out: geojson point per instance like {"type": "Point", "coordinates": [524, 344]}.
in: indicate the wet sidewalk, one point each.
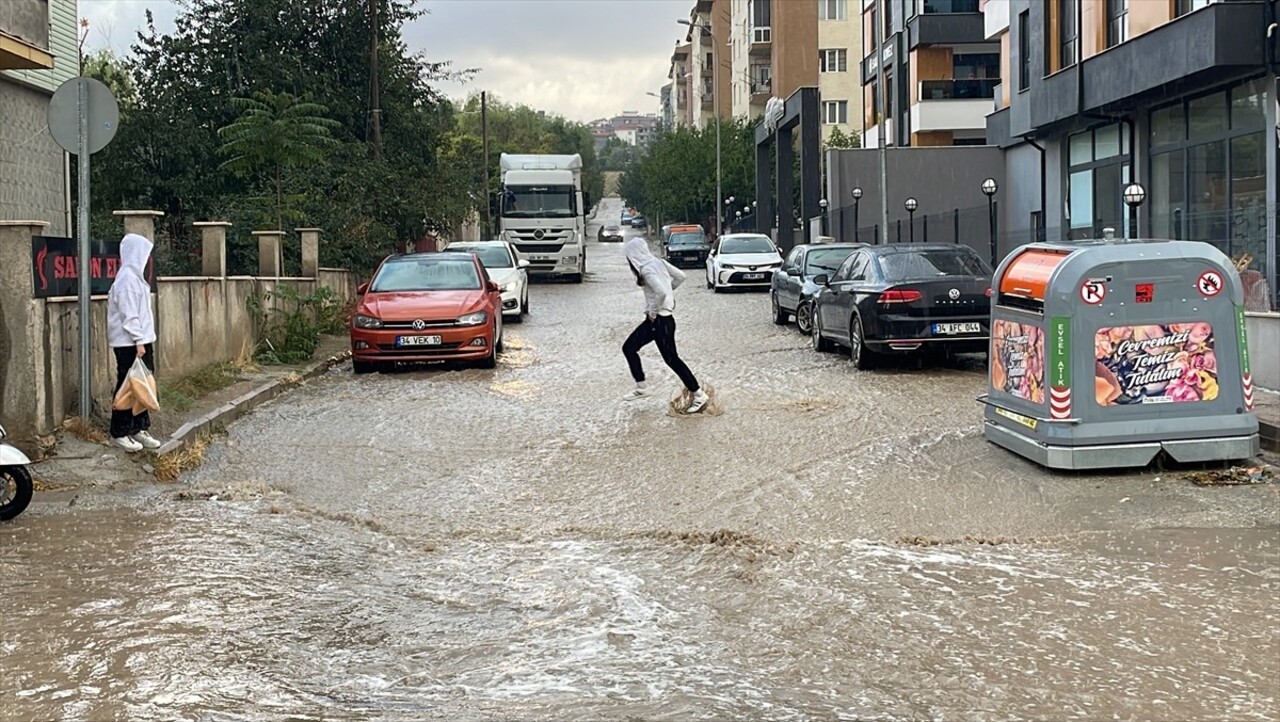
{"type": "Point", "coordinates": [82, 459]}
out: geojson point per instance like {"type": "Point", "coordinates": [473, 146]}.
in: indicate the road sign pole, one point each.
{"type": "Point", "coordinates": [85, 280]}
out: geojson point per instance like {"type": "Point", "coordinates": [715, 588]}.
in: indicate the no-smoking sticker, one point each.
{"type": "Point", "coordinates": [1093, 291]}
{"type": "Point", "coordinates": [1209, 284]}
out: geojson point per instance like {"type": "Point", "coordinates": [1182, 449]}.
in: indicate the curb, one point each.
{"type": "Point", "coordinates": [245, 403]}
{"type": "Point", "coordinates": [1270, 435]}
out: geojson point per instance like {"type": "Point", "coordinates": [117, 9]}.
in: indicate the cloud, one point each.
{"type": "Point", "coordinates": [583, 59]}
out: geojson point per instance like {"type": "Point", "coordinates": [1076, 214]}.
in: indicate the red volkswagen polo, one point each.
{"type": "Point", "coordinates": [427, 307]}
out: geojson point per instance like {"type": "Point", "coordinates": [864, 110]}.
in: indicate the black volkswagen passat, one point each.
{"type": "Point", "coordinates": [793, 289]}
{"type": "Point", "coordinates": [904, 298]}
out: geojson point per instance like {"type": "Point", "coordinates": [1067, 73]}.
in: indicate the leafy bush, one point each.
{"type": "Point", "coordinates": [291, 323]}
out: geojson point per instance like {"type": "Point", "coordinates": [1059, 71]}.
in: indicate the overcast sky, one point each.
{"type": "Point", "coordinates": [583, 59]}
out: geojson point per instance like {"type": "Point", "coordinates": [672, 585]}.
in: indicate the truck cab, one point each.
{"type": "Point", "coordinates": [542, 212]}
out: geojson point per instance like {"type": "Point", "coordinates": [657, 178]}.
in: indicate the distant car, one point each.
{"type": "Point", "coordinates": [610, 234]}
{"type": "Point", "coordinates": [793, 289]}
{"type": "Point", "coordinates": [904, 298]}
{"type": "Point", "coordinates": [639, 222]}
{"type": "Point", "coordinates": [686, 246]}
{"type": "Point", "coordinates": [427, 307]}
{"type": "Point", "coordinates": [666, 230]}
{"type": "Point", "coordinates": [506, 268]}
{"type": "Point", "coordinates": [626, 218]}
{"type": "Point", "coordinates": [742, 260]}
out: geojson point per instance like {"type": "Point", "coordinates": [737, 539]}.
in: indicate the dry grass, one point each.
{"type": "Point", "coordinates": [84, 429]}
{"type": "Point", "coordinates": [182, 394]}
{"type": "Point", "coordinates": [244, 362]}
{"type": "Point", "coordinates": [170, 466]}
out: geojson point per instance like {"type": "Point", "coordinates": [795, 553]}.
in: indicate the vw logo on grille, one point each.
{"type": "Point", "coordinates": [954, 294]}
{"type": "Point", "coordinates": [753, 268]}
{"type": "Point", "coordinates": [539, 234]}
{"type": "Point", "coordinates": [419, 324]}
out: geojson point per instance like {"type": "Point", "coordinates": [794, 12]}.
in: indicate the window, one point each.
{"type": "Point", "coordinates": [1099, 171]}
{"type": "Point", "coordinates": [1117, 22]}
{"type": "Point", "coordinates": [832, 9]}
{"type": "Point", "coordinates": [835, 112]}
{"type": "Point", "coordinates": [1024, 50]}
{"type": "Point", "coordinates": [760, 18]}
{"type": "Point", "coordinates": [1182, 7]}
{"type": "Point", "coordinates": [833, 61]}
{"type": "Point", "coordinates": [1068, 33]}
{"type": "Point", "coordinates": [971, 66]}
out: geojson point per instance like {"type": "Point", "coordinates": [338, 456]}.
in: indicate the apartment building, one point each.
{"type": "Point", "coordinates": [681, 77]}
{"type": "Point", "coordinates": [773, 48]}
{"type": "Point", "coordinates": [709, 47]}
{"type": "Point", "coordinates": [839, 52]}
{"type": "Point", "coordinates": [1177, 95]}
{"type": "Point", "coordinates": [37, 54]}
{"type": "Point", "coordinates": [940, 71]}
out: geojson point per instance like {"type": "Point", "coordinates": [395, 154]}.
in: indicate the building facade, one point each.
{"type": "Point", "coordinates": [839, 53]}
{"type": "Point", "coordinates": [1178, 96]}
{"type": "Point", "coordinates": [38, 52]}
{"type": "Point", "coordinates": [681, 77]}
{"type": "Point", "coordinates": [940, 72]}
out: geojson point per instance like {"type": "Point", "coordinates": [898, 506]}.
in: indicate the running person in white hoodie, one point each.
{"type": "Point", "coordinates": [659, 280]}
{"type": "Point", "coordinates": [131, 333]}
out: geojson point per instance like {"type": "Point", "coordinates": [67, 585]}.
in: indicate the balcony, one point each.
{"type": "Point", "coordinates": [958, 89]}
{"type": "Point", "coordinates": [761, 40]}
{"type": "Point", "coordinates": [18, 54]}
{"type": "Point", "coordinates": [947, 22]}
{"type": "Point", "coordinates": [708, 94]}
{"type": "Point", "coordinates": [949, 7]}
{"type": "Point", "coordinates": [956, 114]}
{"type": "Point", "coordinates": [761, 89]}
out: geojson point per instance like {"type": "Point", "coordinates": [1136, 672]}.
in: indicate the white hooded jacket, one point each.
{"type": "Point", "coordinates": [129, 318]}
{"type": "Point", "coordinates": [660, 278]}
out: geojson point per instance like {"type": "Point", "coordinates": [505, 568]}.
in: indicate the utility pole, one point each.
{"type": "Point", "coordinates": [484, 131]}
{"type": "Point", "coordinates": [880, 33]}
{"type": "Point", "coordinates": [375, 100]}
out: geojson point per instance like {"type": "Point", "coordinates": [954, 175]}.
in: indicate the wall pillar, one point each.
{"type": "Point", "coordinates": [213, 247]}
{"type": "Point", "coordinates": [270, 253]}
{"type": "Point", "coordinates": [142, 223]}
{"type": "Point", "coordinates": [310, 251]}
{"type": "Point", "coordinates": [22, 359]}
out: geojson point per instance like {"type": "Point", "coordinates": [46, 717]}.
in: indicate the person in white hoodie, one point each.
{"type": "Point", "coordinates": [659, 280]}
{"type": "Point", "coordinates": [131, 333]}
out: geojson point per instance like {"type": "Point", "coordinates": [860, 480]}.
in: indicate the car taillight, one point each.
{"type": "Point", "coordinates": [988, 293]}
{"type": "Point", "coordinates": [898, 295]}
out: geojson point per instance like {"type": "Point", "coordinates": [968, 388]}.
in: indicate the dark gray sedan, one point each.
{"type": "Point", "coordinates": [793, 288]}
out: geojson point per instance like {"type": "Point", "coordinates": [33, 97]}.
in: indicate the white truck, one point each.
{"type": "Point", "coordinates": [542, 212]}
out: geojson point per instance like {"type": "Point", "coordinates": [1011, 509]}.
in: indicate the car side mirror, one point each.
{"type": "Point", "coordinates": [524, 263]}
{"type": "Point", "coordinates": [794, 272]}
{"type": "Point", "coordinates": [362, 289]}
{"type": "Point", "coordinates": [822, 280]}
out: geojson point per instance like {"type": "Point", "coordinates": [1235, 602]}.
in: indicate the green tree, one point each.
{"type": "Point", "coordinates": [274, 134]}
{"type": "Point", "coordinates": [839, 140]}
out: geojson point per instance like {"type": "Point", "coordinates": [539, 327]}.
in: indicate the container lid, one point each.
{"type": "Point", "coordinates": [1027, 276]}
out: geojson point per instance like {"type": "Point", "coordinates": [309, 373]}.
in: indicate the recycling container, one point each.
{"type": "Point", "coordinates": [1105, 353]}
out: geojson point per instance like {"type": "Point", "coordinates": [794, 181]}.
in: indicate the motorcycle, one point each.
{"type": "Point", "coordinates": [16, 486]}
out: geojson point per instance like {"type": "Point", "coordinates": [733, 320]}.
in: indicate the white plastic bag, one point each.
{"type": "Point", "coordinates": [138, 392]}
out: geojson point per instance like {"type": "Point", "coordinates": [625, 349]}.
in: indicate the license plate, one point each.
{"type": "Point", "coordinates": [417, 340]}
{"type": "Point", "coordinates": [753, 276]}
{"type": "Point", "coordinates": [951, 329]}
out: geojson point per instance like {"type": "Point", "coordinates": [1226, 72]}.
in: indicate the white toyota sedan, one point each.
{"type": "Point", "coordinates": [742, 260]}
{"type": "Point", "coordinates": [505, 268]}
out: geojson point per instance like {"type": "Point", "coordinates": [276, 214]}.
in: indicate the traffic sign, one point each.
{"type": "Point", "coordinates": [1093, 291]}
{"type": "Point", "coordinates": [1209, 284]}
{"type": "Point", "coordinates": [101, 111]}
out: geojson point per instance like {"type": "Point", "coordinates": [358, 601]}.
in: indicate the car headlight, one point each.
{"type": "Point", "coordinates": [570, 259]}
{"type": "Point", "coordinates": [505, 287]}
{"type": "Point", "coordinates": [473, 319]}
{"type": "Point", "coordinates": [367, 321]}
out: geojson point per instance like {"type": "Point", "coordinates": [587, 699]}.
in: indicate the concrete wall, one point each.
{"type": "Point", "coordinates": [1264, 339]}
{"type": "Point", "coordinates": [60, 29]}
{"type": "Point", "coordinates": [32, 166]}
{"type": "Point", "coordinates": [27, 19]}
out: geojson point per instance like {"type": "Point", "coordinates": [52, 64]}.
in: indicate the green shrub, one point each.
{"type": "Point", "coordinates": [291, 327]}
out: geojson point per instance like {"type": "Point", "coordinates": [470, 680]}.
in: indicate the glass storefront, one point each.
{"type": "Point", "coordinates": [1098, 171]}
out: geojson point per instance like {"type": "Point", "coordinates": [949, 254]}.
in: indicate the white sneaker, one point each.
{"type": "Point", "coordinates": [699, 402]}
{"type": "Point", "coordinates": [636, 393]}
{"type": "Point", "coordinates": [147, 440]}
{"type": "Point", "coordinates": [126, 443]}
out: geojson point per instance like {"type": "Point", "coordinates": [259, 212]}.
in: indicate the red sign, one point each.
{"type": "Point", "coordinates": [1144, 292]}
{"type": "Point", "coordinates": [1209, 284]}
{"type": "Point", "coordinates": [1093, 291]}
{"type": "Point", "coordinates": [55, 266]}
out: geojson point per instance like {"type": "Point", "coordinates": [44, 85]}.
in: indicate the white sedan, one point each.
{"type": "Point", "coordinates": [505, 268]}
{"type": "Point", "coordinates": [742, 260]}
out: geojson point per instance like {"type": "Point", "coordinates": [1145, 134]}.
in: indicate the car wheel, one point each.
{"type": "Point", "coordinates": [780, 316]}
{"type": "Point", "coordinates": [710, 285]}
{"type": "Point", "coordinates": [499, 333]}
{"type": "Point", "coordinates": [524, 305]}
{"type": "Point", "coordinates": [820, 344]}
{"type": "Point", "coordinates": [363, 367]}
{"type": "Point", "coordinates": [804, 317]}
{"type": "Point", "coordinates": [863, 358]}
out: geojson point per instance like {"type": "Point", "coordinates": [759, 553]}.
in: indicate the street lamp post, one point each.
{"type": "Point", "coordinates": [823, 205]}
{"type": "Point", "coordinates": [1134, 195]}
{"type": "Point", "coordinates": [989, 189]}
{"type": "Point", "coordinates": [728, 206]}
{"type": "Point", "coordinates": [715, 101]}
{"type": "Point", "coordinates": [911, 205]}
{"type": "Point", "coordinates": [857, 196]}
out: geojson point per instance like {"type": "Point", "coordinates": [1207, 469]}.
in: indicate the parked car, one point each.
{"type": "Point", "coordinates": [626, 218]}
{"type": "Point", "coordinates": [666, 231]}
{"type": "Point", "coordinates": [686, 246]}
{"type": "Point", "coordinates": [903, 298]}
{"type": "Point", "coordinates": [639, 222]}
{"type": "Point", "coordinates": [507, 269]}
{"type": "Point", "coordinates": [793, 289]}
{"type": "Point", "coordinates": [610, 234]}
{"type": "Point", "coordinates": [427, 307]}
{"type": "Point", "coordinates": [742, 260]}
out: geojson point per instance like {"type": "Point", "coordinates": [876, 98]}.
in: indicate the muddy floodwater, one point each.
{"type": "Point", "coordinates": [521, 544]}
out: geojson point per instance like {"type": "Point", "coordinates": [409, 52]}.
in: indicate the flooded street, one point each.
{"type": "Point", "coordinates": [522, 544]}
